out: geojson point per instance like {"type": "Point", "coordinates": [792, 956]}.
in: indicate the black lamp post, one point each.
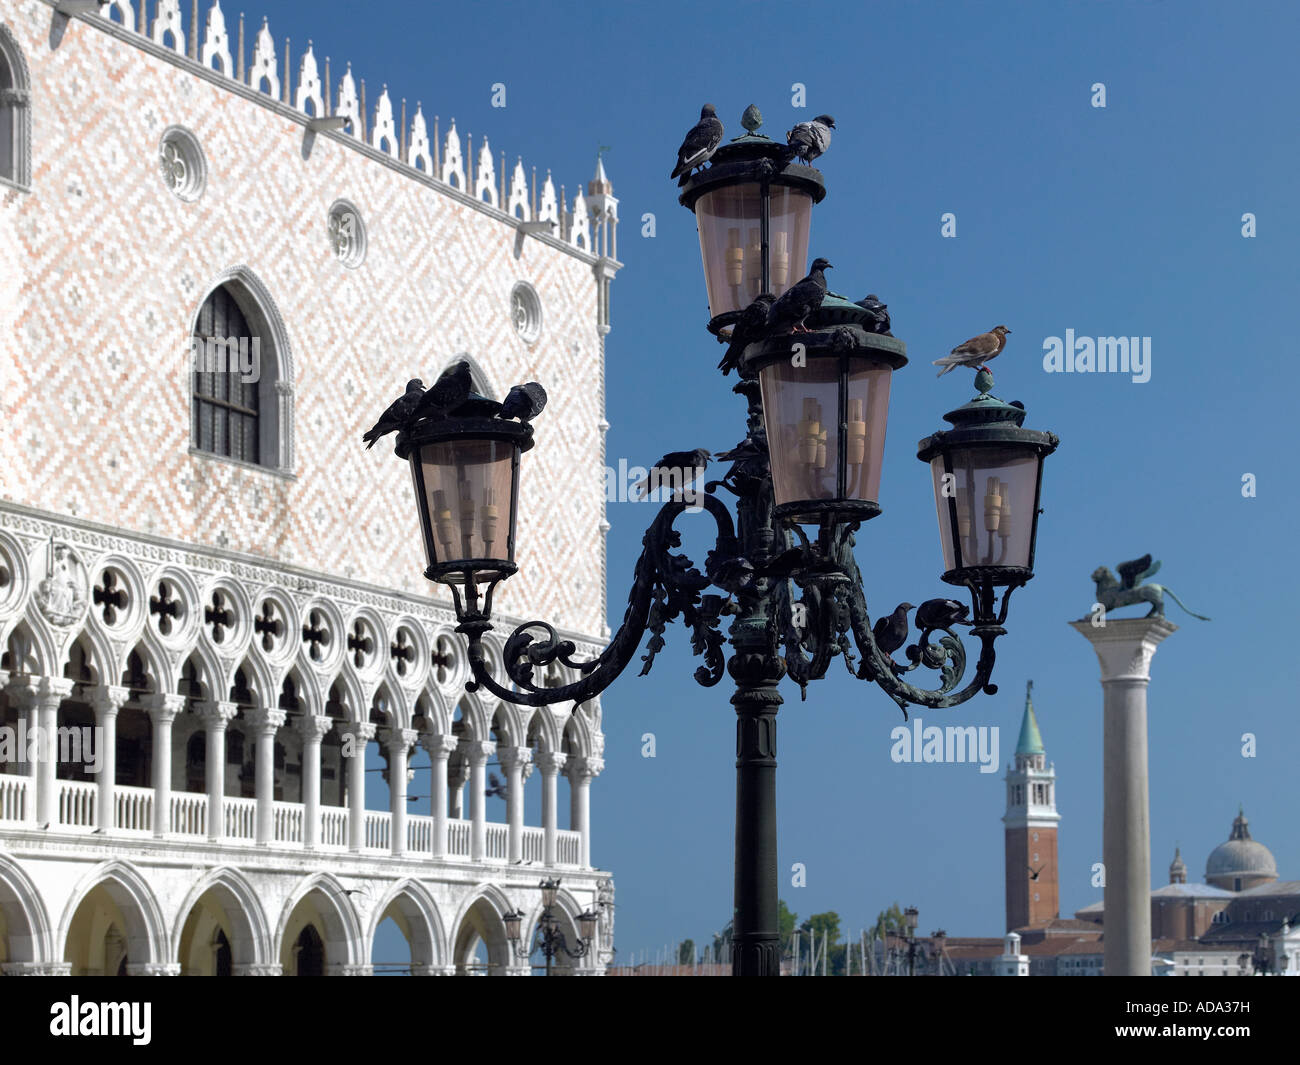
{"type": "Point", "coordinates": [548, 937]}
{"type": "Point", "coordinates": [805, 478]}
{"type": "Point", "coordinates": [1264, 960]}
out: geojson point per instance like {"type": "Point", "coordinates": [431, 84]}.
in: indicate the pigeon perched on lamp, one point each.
{"type": "Point", "coordinates": [890, 632]}
{"type": "Point", "coordinates": [808, 140]}
{"type": "Point", "coordinates": [879, 313]}
{"type": "Point", "coordinates": [941, 614]}
{"type": "Point", "coordinates": [700, 144]}
{"type": "Point", "coordinates": [524, 402]}
{"type": "Point", "coordinates": [749, 327]}
{"type": "Point", "coordinates": [677, 470]}
{"type": "Point", "coordinates": [398, 413]}
{"type": "Point", "coordinates": [976, 351]}
{"type": "Point", "coordinates": [451, 389]}
{"type": "Point", "coordinates": [799, 300]}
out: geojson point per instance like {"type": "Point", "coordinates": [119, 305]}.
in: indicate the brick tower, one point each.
{"type": "Point", "coordinates": [1033, 892]}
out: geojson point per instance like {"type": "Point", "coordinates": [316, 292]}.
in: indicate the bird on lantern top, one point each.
{"type": "Point", "coordinates": [976, 351]}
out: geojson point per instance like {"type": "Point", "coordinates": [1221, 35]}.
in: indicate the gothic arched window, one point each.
{"type": "Point", "coordinates": [15, 114]}
{"type": "Point", "coordinates": [241, 396]}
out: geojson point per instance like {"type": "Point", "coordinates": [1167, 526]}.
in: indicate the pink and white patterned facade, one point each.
{"type": "Point", "coordinates": [180, 601]}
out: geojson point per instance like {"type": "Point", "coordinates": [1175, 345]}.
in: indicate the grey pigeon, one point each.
{"type": "Point", "coordinates": [524, 402]}
{"type": "Point", "coordinates": [891, 632]}
{"type": "Point", "coordinates": [398, 413]}
{"type": "Point", "coordinates": [808, 140]}
{"type": "Point", "coordinates": [749, 327]}
{"type": "Point", "coordinates": [700, 144]}
{"type": "Point", "coordinates": [495, 788]}
{"type": "Point", "coordinates": [799, 300]}
{"type": "Point", "coordinates": [941, 614]}
{"type": "Point", "coordinates": [676, 469]}
{"type": "Point", "coordinates": [448, 392]}
{"type": "Point", "coordinates": [879, 313]}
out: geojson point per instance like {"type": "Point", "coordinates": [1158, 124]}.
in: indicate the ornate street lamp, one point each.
{"type": "Point", "coordinates": [804, 479]}
{"type": "Point", "coordinates": [548, 937]}
{"type": "Point", "coordinates": [1264, 960]}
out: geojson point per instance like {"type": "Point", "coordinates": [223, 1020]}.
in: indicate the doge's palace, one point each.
{"type": "Point", "coordinates": [216, 637]}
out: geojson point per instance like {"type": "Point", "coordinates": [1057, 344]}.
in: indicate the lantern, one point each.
{"type": "Point", "coordinates": [466, 476]}
{"type": "Point", "coordinates": [753, 209]}
{"type": "Point", "coordinates": [549, 890]}
{"type": "Point", "coordinates": [512, 923]}
{"type": "Point", "coordinates": [988, 476]}
{"type": "Point", "coordinates": [587, 926]}
{"type": "Point", "coordinates": [825, 406]}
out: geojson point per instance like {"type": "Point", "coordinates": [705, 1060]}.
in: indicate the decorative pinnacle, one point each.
{"type": "Point", "coordinates": [984, 382]}
{"type": "Point", "coordinates": [752, 119]}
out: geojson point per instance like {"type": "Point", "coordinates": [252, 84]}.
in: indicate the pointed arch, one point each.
{"type": "Point", "coordinates": [29, 933]}
{"type": "Point", "coordinates": [344, 945]}
{"type": "Point", "coordinates": [275, 384]}
{"type": "Point", "coordinates": [419, 912]}
{"type": "Point", "coordinates": [250, 934]}
{"type": "Point", "coordinates": [15, 113]}
{"type": "Point", "coordinates": [481, 917]}
{"type": "Point", "coordinates": [146, 935]}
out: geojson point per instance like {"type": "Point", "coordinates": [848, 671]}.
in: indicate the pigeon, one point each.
{"type": "Point", "coordinates": [398, 413]}
{"type": "Point", "coordinates": [448, 392]}
{"type": "Point", "coordinates": [496, 787]}
{"type": "Point", "coordinates": [808, 140]}
{"type": "Point", "coordinates": [891, 632]}
{"type": "Point", "coordinates": [700, 144]}
{"type": "Point", "coordinates": [799, 300]}
{"type": "Point", "coordinates": [749, 327]}
{"type": "Point", "coordinates": [677, 469]}
{"type": "Point", "coordinates": [976, 351]}
{"type": "Point", "coordinates": [524, 402]}
{"type": "Point", "coordinates": [941, 614]}
{"type": "Point", "coordinates": [879, 313]}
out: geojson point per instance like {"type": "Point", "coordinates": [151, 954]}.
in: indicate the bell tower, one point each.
{"type": "Point", "coordinates": [1033, 891]}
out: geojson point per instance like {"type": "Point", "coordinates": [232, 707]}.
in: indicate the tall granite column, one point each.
{"type": "Point", "coordinates": [1125, 647]}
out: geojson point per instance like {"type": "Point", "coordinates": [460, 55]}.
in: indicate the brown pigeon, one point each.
{"type": "Point", "coordinates": [976, 351]}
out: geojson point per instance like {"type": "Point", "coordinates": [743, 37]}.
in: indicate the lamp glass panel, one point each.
{"type": "Point", "coordinates": [993, 493]}
{"type": "Point", "coordinates": [467, 487]}
{"type": "Point", "coordinates": [801, 408]}
{"type": "Point", "coordinates": [789, 223]}
{"type": "Point", "coordinates": [729, 220]}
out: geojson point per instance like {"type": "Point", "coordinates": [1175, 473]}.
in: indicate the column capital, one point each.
{"type": "Point", "coordinates": [550, 761]}
{"type": "Point", "coordinates": [256, 969]}
{"type": "Point", "coordinates": [510, 757]}
{"type": "Point", "coordinates": [399, 738]}
{"type": "Point", "coordinates": [311, 728]}
{"type": "Point", "coordinates": [1125, 646]}
{"type": "Point", "coordinates": [265, 720]}
{"type": "Point", "coordinates": [36, 968]}
{"type": "Point", "coordinates": [362, 732]}
{"type": "Point", "coordinates": [438, 745]}
{"type": "Point", "coordinates": [107, 699]}
{"type": "Point", "coordinates": [584, 768]}
{"type": "Point", "coordinates": [152, 968]}
{"type": "Point", "coordinates": [164, 707]}
{"type": "Point", "coordinates": [40, 692]}
{"type": "Point", "coordinates": [215, 713]}
{"type": "Point", "coordinates": [477, 751]}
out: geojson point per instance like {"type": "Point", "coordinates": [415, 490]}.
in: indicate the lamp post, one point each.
{"type": "Point", "coordinates": [804, 479]}
{"type": "Point", "coordinates": [1264, 960]}
{"type": "Point", "coordinates": [548, 937]}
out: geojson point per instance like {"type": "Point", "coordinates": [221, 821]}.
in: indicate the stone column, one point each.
{"type": "Point", "coordinates": [439, 747]}
{"type": "Point", "coordinates": [399, 742]}
{"type": "Point", "coordinates": [312, 729]}
{"type": "Point", "coordinates": [41, 696]}
{"type": "Point", "coordinates": [476, 753]}
{"type": "Point", "coordinates": [581, 771]}
{"type": "Point", "coordinates": [264, 721]}
{"type": "Point", "coordinates": [458, 773]}
{"type": "Point", "coordinates": [215, 715]}
{"type": "Point", "coordinates": [162, 712]}
{"type": "Point", "coordinates": [1125, 647]}
{"type": "Point", "coordinates": [551, 763]}
{"type": "Point", "coordinates": [513, 761]}
{"type": "Point", "coordinates": [360, 734]}
{"type": "Point", "coordinates": [107, 700]}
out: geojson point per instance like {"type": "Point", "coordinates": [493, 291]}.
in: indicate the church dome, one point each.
{"type": "Point", "coordinates": [1240, 862]}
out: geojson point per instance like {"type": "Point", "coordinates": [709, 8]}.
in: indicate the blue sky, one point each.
{"type": "Point", "coordinates": [1117, 221]}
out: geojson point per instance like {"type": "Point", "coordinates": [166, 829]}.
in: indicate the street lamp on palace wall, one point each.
{"type": "Point", "coordinates": [804, 481]}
